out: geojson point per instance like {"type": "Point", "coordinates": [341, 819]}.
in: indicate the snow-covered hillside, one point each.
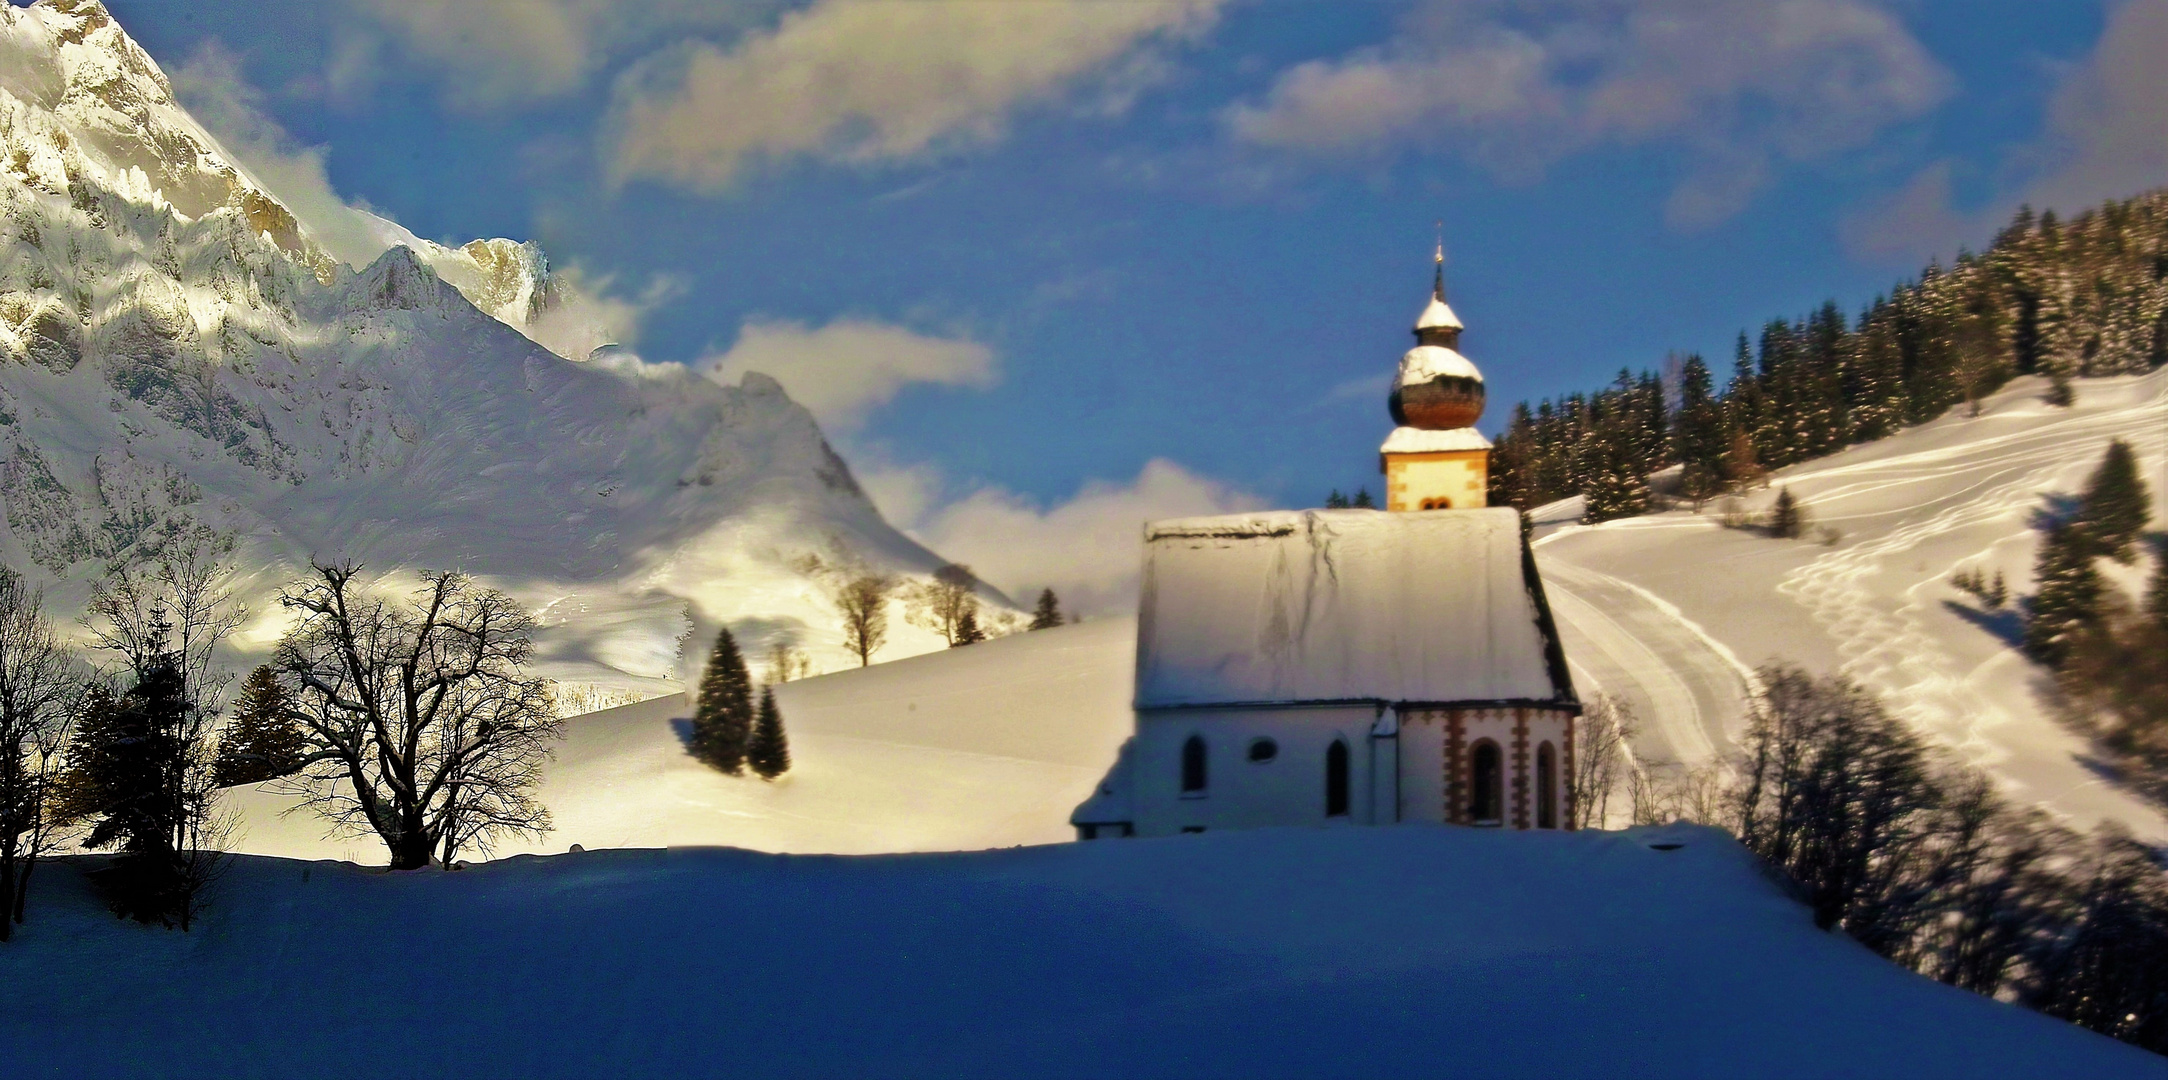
{"type": "Point", "coordinates": [178, 353]}
{"type": "Point", "coordinates": [996, 743]}
{"type": "Point", "coordinates": [1422, 951]}
{"type": "Point", "coordinates": [988, 746]}
{"type": "Point", "coordinates": [1671, 611]}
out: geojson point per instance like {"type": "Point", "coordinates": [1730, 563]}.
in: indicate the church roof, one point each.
{"type": "Point", "coordinates": [1296, 606]}
{"type": "Point", "coordinates": [1438, 314]}
{"type": "Point", "coordinates": [1409, 440]}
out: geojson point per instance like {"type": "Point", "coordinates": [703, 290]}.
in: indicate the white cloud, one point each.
{"type": "Point", "coordinates": [1518, 86]}
{"type": "Point", "coordinates": [2107, 131]}
{"type": "Point", "coordinates": [847, 368]}
{"type": "Point", "coordinates": [1086, 549]}
{"type": "Point", "coordinates": [2105, 137]}
{"type": "Point", "coordinates": [495, 53]}
{"type": "Point", "coordinates": [861, 82]}
{"type": "Point", "coordinates": [212, 88]}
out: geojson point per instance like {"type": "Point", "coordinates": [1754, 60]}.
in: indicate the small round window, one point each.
{"type": "Point", "coordinates": [1263, 749]}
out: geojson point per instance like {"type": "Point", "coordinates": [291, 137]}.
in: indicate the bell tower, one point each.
{"type": "Point", "coordinates": [1435, 459]}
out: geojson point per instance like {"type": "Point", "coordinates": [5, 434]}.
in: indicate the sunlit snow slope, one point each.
{"type": "Point", "coordinates": [179, 356]}
{"type": "Point", "coordinates": [987, 746]}
{"type": "Point", "coordinates": [1671, 610]}
{"type": "Point", "coordinates": [1424, 951]}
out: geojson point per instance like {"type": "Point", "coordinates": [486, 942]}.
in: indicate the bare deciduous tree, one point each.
{"type": "Point", "coordinates": [38, 686]}
{"type": "Point", "coordinates": [424, 727]}
{"type": "Point", "coordinates": [1604, 753]}
{"type": "Point", "coordinates": [861, 598]}
{"type": "Point", "coordinates": [947, 605]}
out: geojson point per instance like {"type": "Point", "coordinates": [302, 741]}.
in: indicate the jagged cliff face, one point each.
{"type": "Point", "coordinates": [178, 357]}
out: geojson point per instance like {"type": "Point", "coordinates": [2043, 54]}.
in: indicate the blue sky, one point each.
{"type": "Point", "coordinates": [1015, 253]}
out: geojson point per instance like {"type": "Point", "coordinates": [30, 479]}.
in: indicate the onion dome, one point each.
{"type": "Point", "coordinates": [1437, 389]}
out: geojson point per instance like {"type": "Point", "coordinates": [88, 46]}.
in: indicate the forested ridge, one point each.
{"type": "Point", "coordinates": [2065, 299]}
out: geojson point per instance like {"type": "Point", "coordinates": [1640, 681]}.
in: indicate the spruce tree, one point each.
{"type": "Point", "coordinates": [1362, 500]}
{"type": "Point", "coordinates": [723, 717]}
{"type": "Point", "coordinates": [967, 628]}
{"type": "Point", "coordinates": [263, 742]}
{"type": "Point", "coordinates": [2066, 603]}
{"type": "Point", "coordinates": [2116, 506]}
{"type": "Point", "coordinates": [769, 751]}
{"type": "Point", "coordinates": [1699, 433]}
{"type": "Point", "coordinates": [1048, 614]}
{"type": "Point", "coordinates": [1336, 501]}
{"type": "Point", "coordinates": [1787, 519]}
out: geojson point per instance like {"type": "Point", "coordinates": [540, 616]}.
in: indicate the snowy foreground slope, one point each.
{"type": "Point", "coordinates": [987, 746]}
{"type": "Point", "coordinates": [1423, 951]}
{"type": "Point", "coordinates": [179, 354]}
{"type": "Point", "coordinates": [1671, 610]}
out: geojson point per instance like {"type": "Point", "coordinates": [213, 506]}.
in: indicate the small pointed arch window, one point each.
{"type": "Point", "coordinates": [1546, 787]}
{"type": "Point", "coordinates": [1193, 765]}
{"type": "Point", "coordinates": [1486, 784]}
{"type": "Point", "coordinates": [1336, 800]}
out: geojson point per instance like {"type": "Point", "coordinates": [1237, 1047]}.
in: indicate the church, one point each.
{"type": "Point", "coordinates": [1352, 667]}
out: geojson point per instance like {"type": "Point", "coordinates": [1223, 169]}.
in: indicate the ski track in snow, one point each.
{"type": "Point", "coordinates": [1890, 648]}
{"type": "Point", "coordinates": [1685, 686]}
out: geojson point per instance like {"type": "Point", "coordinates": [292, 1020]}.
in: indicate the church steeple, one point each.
{"type": "Point", "coordinates": [1437, 325]}
{"type": "Point", "coordinates": [1436, 459]}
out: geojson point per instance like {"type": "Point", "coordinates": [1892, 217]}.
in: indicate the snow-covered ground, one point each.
{"type": "Point", "coordinates": [1671, 611]}
{"type": "Point", "coordinates": [1423, 951]}
{"type": "Point", "coordinates": [980, 747]}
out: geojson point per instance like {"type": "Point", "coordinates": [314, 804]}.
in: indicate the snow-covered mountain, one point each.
{"type": "Point", "coordinates": [179, 353]}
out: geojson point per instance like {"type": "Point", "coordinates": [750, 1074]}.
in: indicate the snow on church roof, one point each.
{"type": "Point", "coordinates": [1344, 605]}
{"type": "Point", "coordinates": [1438, 314]}
{"type": "Point", "coordinates": [1408, 440]}
{"type": "Point", "coordinates": [1426, 362]}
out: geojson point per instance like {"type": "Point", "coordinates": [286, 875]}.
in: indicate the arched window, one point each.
{"type": "Point", "coordinates": [1439, 503]}
{"type": "Point", "coordinates": [1487, 785]}
{"type": "Point", "coordinates": [1263, 750]}
{"type": "Point", "coordinates": [1546, 787]}
{"type": "Point", "coordinates": [1336, 779]}
{"type": "Point", "coordinates": [1193, 765]}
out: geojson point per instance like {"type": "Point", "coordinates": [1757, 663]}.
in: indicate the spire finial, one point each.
{"type": "Point", "coordinates": [1437, 284]}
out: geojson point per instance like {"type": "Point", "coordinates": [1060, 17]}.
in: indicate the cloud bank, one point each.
{"type": "Point", "coordinates": [1087, 549]}
{"type": "Point", "coordinates": [1516, 87]}
{"type": "Point", "coordinates": [858, 82]}
{"type": "Point", "coordinates": [846, 369]}
{"type": "Point", "coordinates": [2105, 137]}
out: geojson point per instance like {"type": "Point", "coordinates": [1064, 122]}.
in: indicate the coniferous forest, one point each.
{"type": "Point", "coordinates": [2064, 299]}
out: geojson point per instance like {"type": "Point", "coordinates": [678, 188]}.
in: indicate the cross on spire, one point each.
{"type": "Point", "coordinates": [1437, 284]}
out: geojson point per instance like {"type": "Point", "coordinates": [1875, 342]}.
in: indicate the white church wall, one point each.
{"type": "Point", "coordinates": [1240, 793]}
{"type": "Point", "coordinates": [1422, 766]}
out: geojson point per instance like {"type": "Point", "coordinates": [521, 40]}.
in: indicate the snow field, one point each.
{"type": "Point", "coordinates": [987, 746]}
{"type": "Point", "coordinates": [1419, 951]}
{"type": "Point", "coordinates": [1650, 607]}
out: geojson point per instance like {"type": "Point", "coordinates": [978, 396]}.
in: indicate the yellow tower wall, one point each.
{"type": "Point", "coordinates": [1437, 480]}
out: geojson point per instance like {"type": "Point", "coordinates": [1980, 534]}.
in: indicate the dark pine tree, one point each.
{"type": "Point", "coordinates": [1047, 615]}
{"type": "Point", "coordinates": [1699, 433]}
{"type": "Point", "coordinates": [967, 628]}
{"type": "Point", "coordinates": [2065, 605]}
{"type": "Point", "coordinates": [1336, 501]}
{"type": "Point", "coordinates": [1786, 520]}
{"type": "Point", "coordinates": [1362, 500]}
{"type": "Point", "coordinates": [2116, 506]}
{"type": "Point", "coordinates": [723, 717]}
{"type": "Point", "coordinates": [1618, 488]}
{"type": "Point", "coordinates": [263, 742]}
{"type": "Point", "coordinates": [127, 779]}
{"type": "Point", "coordinates": [769, 752]}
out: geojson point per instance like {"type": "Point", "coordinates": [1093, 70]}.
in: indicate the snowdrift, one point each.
{"type": "Point", "coordinates": [1421, 951]}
